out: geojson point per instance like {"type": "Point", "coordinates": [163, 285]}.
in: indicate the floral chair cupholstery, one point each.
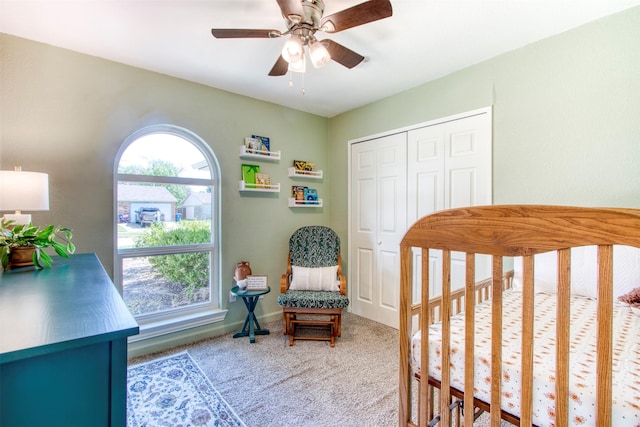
{"type": "Point", "coordinates": [313, 290]}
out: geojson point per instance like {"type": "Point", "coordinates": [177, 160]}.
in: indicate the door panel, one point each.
{"type": "Point", "coordinates": [425, 172]}
{"type": "Point", "coordinates": [378, 180]}
{"type": "Point", "coordinates": [462, 188]}
{"type": "Point", "coordinates": [396, 180]}
{"type": "Point", "coordinates": [364, 275]}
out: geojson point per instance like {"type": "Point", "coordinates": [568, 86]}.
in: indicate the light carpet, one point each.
{"type": "Point", "coordinates": [173, 391]}
{"type": "Point", "coordinates": [311, 384]}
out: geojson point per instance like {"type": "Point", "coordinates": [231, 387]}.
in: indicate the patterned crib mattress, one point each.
{"type": "Point", "coordinates": [582, 381]}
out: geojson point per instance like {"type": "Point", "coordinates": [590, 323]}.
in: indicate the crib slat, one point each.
{"type": "Point", "coordinates": [404, 413]}
{"type": "Point", "coordinates": [563, 325]}
{"type": "Point", "coordinates": [445, 315]}
{"type": "Point", "coordinates": [469, 338]}
{"type": "Point", "coordinates": [604, 335]}
{"type": "Point", "coordinates": [425, 397]}
{"type": "Point", "coordinates": [496, 341]}
{"type": "Point", "coordinates": [527, 341]}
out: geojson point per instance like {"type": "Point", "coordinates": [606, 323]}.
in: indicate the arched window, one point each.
{"type": "Point", "coordinates": [167, 204]}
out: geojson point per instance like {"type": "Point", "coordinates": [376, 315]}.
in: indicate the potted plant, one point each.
{"type": "Point", "coordinates": [22, 245]}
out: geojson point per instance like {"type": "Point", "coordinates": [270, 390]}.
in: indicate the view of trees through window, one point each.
{"type": "Point", "coordinates": [164, 230]}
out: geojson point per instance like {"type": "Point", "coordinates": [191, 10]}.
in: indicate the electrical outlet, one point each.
{"type": "Point", "coordinates": [232, 297]}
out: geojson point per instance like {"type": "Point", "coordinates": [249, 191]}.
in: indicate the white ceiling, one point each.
{"type": "Point", "coordinates": [423, 40]}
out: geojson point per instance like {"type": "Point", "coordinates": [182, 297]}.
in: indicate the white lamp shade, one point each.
{"type": "Point", "coordinates": [319, 54]}
{"type": "Point", "coordinates": [24, 191]}
{"type": "Point", "coordinates": [299, 66]}
{"type": "Point", "coordinates": [293, 49]}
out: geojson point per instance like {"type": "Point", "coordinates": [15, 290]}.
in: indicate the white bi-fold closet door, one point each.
{"type": "Point", "coordinates": [396, 179]}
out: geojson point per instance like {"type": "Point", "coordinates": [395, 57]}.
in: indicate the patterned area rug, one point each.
{"type": "Point", "coordinates": [174, 392]}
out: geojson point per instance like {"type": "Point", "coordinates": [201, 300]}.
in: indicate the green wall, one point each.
{"type": "Point", "coordinates": [66, 114]}
{"type": "Point", "coordinates": [566, 114]}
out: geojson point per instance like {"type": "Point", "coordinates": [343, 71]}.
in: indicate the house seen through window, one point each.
{"type": "Point", "coordinates": [166, 210]}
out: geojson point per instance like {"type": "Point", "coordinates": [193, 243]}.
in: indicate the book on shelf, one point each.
{"type": "Point", "coordinates": [263, 179]}
{"type": "Point", "coordinates": [303, 166]}
{"type": "Point", "coordinates": [297, 192]}
{"type": "Point", "coordinates": [264, 143]}
{"type": "Point", "coordinates": [252, 144]}
{"type": "Point", "coordinates": [311, 195]}
{"type": "Point", "coordinates": [249, 173]}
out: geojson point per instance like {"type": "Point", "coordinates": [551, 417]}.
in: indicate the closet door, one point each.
{"type": "Point", "coordinates": [378, 224]}
{"type": "Point", "coordinates": [449, 166]}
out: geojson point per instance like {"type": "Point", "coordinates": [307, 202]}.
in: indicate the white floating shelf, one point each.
{"type": "Point", "coordinates": [259, 188]}
{"type": "Point", "coordinates": [293, 203]}
{"type": "Point", "coordinates": [258, 154]}
{"type": "Point", "coordinates": [293, 172]}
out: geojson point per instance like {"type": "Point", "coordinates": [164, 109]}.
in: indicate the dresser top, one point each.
{"type": "Point", "coordinates": [73, 303]}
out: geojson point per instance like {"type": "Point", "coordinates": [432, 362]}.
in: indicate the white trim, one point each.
{"type": "Point", "coordinates": [479, 111]}
{"type": "Point", "coordinates": [176, 324]}
{"type": "Point", "coordinates": [165, 341]}
{"type": "Point", "coordinates": [157, 324]}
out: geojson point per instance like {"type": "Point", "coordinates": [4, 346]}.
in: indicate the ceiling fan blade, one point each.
{"type": "Point", "coordinates": [359, 14]}
{"type": "Point", "coordinates": [235, 33]}
{"type": "Point", "coordinates": [342, 55]}
{"type": "Point", "coordinates": [292, 10]}
{"type": "Point", "coordinates": [280, 68]}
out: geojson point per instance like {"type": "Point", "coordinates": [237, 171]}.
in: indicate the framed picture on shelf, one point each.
{"type": "Point", "coordinates": [257, 283]}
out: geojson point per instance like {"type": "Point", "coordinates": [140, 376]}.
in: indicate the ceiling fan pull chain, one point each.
{"type": "Point", "coordinates": [303, 83]}
{"type": "Point", "coordinates": [290, 79]}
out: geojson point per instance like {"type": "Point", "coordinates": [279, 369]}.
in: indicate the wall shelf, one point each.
{"type": "Point", "coordinates": [295, 173]}
{"type": "Point", "coordinates": [269, 156]}
{"type": "Point", "coordinates": [293, 203]}
{"type": "Point", "coordinates": [259, 188]}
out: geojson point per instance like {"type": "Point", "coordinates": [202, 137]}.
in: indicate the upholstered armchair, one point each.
{"type": "Point", "coordinates": [313, 291]}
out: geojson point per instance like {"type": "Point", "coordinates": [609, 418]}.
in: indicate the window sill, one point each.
{"type": "Point", "coordinates": [156, 327]}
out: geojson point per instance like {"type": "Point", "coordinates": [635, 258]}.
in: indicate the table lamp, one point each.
{"type": "Point", "coordinates": [23, 191]}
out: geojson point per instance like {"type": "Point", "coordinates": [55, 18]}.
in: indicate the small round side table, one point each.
{"type": "Point", "coordinates": [251, 327]}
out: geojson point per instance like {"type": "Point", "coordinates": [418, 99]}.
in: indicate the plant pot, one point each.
{"type": "Point", "coordinates": [21, 256]}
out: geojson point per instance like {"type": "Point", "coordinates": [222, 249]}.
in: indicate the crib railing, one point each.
{"type": "Point", "coordinates": [508, 231]}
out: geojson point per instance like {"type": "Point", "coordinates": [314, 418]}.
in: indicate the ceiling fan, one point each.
{"type": "Point", "coordinates": [303, 19]}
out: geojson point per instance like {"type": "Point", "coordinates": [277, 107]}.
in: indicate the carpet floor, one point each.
{"type": "Point", "coordinates": [310, 384]}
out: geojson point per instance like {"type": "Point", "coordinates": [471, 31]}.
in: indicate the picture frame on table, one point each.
{"type": "Point", "coordinates": [257, 283]}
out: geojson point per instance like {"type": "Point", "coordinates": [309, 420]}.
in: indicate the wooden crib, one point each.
{"type": "Point", "coordinates": [503, 232]}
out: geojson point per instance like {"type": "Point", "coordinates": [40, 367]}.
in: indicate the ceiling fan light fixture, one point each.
{"type": "Point", "coordinates": [299, 66]}
{"type": "Point", "coordinates": [319, 54]}
{"type": "Point", "coordinates": [293, 49]}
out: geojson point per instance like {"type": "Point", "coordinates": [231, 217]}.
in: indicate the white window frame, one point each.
{"type": "Point", "coordinates": [181, 318]}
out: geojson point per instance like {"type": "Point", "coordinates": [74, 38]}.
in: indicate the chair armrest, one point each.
{"type": "Point", "coordinates": [284, 280]}
{"type": "Point", "coordinates": [343, 284]}
{"type": "Point", "coordinates": [284, 283]}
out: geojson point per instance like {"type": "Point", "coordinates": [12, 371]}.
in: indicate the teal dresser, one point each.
{"type": "Point", "coordinates": [63, 346]}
